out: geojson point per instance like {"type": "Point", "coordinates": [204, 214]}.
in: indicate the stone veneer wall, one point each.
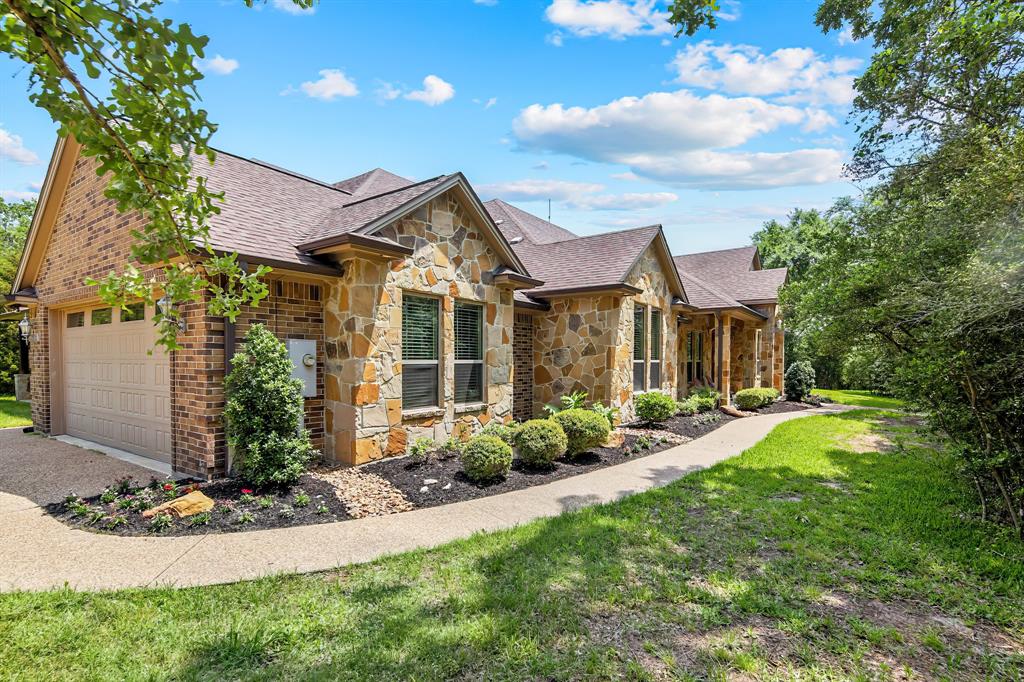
{"type": "Point", "coordinates": [363, 324]}
{"type": "Point", "coordinates": [522, 349]}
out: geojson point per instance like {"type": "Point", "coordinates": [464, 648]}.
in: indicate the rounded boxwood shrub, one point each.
{"type": "Point", "coordinates": [755, 398]}
{"type": "Point", "coordinates": [705, 399]}
{"type": "Point", "coordinates": [687, 408]}
{"type": "Point", "coordinates": [486, 458]}
{"type": "Point", "coordinates": [276, 459]}
{"type": "Point", "coordinates": [540, 442]}
{"type": "Point", "coordinates": [584, 429]}
{"type": "Point", "coordinates": [799, 380]}
{"type": "Point", "coordinates": [506, 432]}
{"type": "Point", "coordinates": [654, 406]}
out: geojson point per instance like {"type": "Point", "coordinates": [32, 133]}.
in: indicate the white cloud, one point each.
{"type": "Point", "coordinates": [817, 120]}
{"type": "Point", "coordinates": [799, 74]}
{"type": "Point", "coordinates": [554, 38]}
{"type": "Point", "coordinates": [332, 84]}
{"type": "Point", "coordinates": [622, 202]}
{"type": "Point", "coordinates": [533, 190]}
{"type": "Point", "coordinates": [616, 19]}
{"type": "Point", "coordinates": [386, 92]}
{"type": "Point", "coordinates": [488, 3]}
{"type": "Point", "coordinates": [17, 195]}
{"type": "Point", "coordinates": [628, 176]}
{"type": "Point", "coordinates": [678, 138]}
{"type": "Point", "coordinates": [730, 10]}
{"type": "Point", "coordinates": [11, 147]}
{"type": "Point", "coordinates": [291, 8]}
{"type": "Point", "coordinates": [435, 91]}
{"type": "Point", "coordinates": [845, 36]}
{"type": "Point", "coordinates": [491, 102]}
{"type": "Point", "coordinates": [218, 65]}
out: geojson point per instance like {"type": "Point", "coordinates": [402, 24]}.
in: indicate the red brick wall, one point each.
{"type": "Point", "coordinates": [522, 352]}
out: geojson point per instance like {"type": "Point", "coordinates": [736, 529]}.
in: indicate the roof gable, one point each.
{"type": "Point", "coordinates": [708, 265]}
{"type": "Point", "coordinates": [516, 223]}
{"type": "Point", "coordinates": [735, 274]}
{"type": "Point", "coordinates": [373, 182]}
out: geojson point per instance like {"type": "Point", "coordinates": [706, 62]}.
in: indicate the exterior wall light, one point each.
{"type": "Point", "coordinates": [166, 307]}
{"type": "Point", "coordinates": [25, 327]}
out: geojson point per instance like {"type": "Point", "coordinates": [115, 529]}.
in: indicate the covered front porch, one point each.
{"type": "Point", "coordinates": [731, 349]}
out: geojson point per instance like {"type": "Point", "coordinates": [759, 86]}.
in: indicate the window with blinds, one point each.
{"type": "Point", "coordinates": [469, 353]}
{"type": "Point", "coordinates": [655, 365]}
{"type": "Point", "coordinates": [420, 366]}
{"type": "Point", "coordinates": [639, 345]}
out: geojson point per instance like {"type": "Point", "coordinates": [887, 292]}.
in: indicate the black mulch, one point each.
{"type": "Point", "coordinates": [226, 516]}
{"type": "Point", "coordinates": [785, 406]}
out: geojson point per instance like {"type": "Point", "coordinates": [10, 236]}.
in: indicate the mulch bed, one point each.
{"type": "Point", "coordinates": [423, 484]}
{"type": "Point", "coordinates": [227, 514]}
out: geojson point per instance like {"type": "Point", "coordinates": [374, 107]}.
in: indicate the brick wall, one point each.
{"type": "Point", "coordinates": [522, 351]}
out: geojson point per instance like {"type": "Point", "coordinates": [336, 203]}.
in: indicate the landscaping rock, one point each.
{"type": "Point", "coordinates": [364, 494]}
{"type": "Point", "coordinates": [187, 505]}
{"type": "Point", "coordinates": [733, 412]}
{"type": "Point", "coordinates": [430, 481]}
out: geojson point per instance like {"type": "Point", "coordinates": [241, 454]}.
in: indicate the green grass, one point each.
{"type": "Point", "coordinates": [13, 413]}
{"type": "Point", "coordinates": [811, 555]}
{"type": "Point", "coordinates": [860, 398]}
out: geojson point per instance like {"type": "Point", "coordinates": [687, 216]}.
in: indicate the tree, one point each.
{"type": "Point", "coordinates": [123, 82]}
{"type": "Point", "coordinates": [15, 219]}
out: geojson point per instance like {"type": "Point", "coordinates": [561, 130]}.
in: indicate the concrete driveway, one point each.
{"type": "Point", "coordinates": [44, 470]}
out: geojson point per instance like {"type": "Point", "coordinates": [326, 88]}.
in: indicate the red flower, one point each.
{"type": "Point", "coordinates": [246, 491]}
{"type": "Point", "coordinates": [168, 486]}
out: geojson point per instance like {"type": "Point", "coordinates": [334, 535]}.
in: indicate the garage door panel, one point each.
{"type": "Point", "coordinates": [116, 392]}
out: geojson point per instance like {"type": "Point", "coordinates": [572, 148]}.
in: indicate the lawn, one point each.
{"type": "Point", "coordinates": [841, 546]}
{"type": "Point", "coordinates": [13, 413]}
{"type": "Point", "coordinates": [860, 398]}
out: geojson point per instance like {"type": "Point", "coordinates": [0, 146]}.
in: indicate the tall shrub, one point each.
{"type": "Point", "coordinates": [799, 380]}
{"type": "Point", "coordinates": [263, 412]}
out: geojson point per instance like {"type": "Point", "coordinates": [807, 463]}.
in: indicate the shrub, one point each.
{"type": "Point", "coordinates": [583, 429]}
{"type": "Point", "coordinates": [754, 398]}
{"type": "Point", "coordinates": [609, 413]}
{"type": "Point", "coordinates": [506, 432]}
{"type": "Point", "coordinates": [421, 448]}
{"type": "Point", "coordinates": [486, 458]}
{"type": "Point", "coordinates": [573, 401]}
{"type": "Point", "coordinates": [654, 406]}
{"type": "Point", "coordinates": [687, 407]}
{"type": "Point", "coordinates": [705, 399]}
{"type": "Point", "coordinates": [799, 380]}
{"type": "Point", "coordinates": [263, 411]}
{"type": "Point", "coordinates": [540, 442]}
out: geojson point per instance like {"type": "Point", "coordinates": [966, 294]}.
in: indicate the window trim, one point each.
{"type": "Point", "coordinates": [436, 362]}
{"type": "Point", "coordinates": [651, 360]}
{"type": "Point", "coordinates": [645, 340]}
{"type": "Point", "coordinates": [483, 352]}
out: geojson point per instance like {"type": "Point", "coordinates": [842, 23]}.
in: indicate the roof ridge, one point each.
{"type": "Point", "coordinates": [280, 169]}
{"type": "Point", "coordinates": [397, 189]}
{"type": "Point", "coordinates": [602, 234]}
{"type": "Point", "coordinates": [733, 248]}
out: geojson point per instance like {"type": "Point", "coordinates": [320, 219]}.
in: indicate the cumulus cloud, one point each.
{"type": "Point", "coordinates": [291, 8]}
{"type": "Point", "coordinates": [11, 147]}
{"type": "Point", "coordinates": [622, 202]}
{"type": "Point", "coordinates": [386, 92]}
{"type": "Point", "coordinates": [218, 65]}
{"type": "Point", "coordinates": [797, 74]}
{"type": "Point", "coordinates": [615, 19]}
{"type": "Point", "coordinates": [533, 190]}
{"type": "Point", "coordinates": [629, 176]}
{"type": "Point", "coordinates": [17, 195]}
{"type": "Point", "coordinates": [332, 84]}
{"type": "Point", "coordinates": [679, 137]}
{"type": "Point", "coordinates": [730, 10]}
{"type": "Point", "coordinates": [435, 91]}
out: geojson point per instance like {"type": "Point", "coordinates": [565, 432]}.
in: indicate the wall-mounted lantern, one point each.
{"type": "Point", "coordinates": [166, 308]}
{"type": "Point", "coordinates": [25, 327]}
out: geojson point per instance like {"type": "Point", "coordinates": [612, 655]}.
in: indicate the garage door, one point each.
{"type": "Point", "coordinates": [115, 392]}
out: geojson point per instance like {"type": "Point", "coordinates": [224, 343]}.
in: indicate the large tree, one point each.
{"type": "Point", "coordinates": [15, 219]}
{"type": "Point", "coordinates": [124, 82]}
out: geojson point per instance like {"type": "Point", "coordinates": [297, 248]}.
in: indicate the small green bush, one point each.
{"type": "Point", "coordinates": [755, 398]}
{"type": "Point", "coordinates": [654, 406]}
{"type": "Point", "coordinates": [540, 442]}
{"type": "Point", "coordinates": [799, 380]}
{"type": "Point", "coordinates": [486, 458]}
{"type": "Point", "coordinates": [705, 399]}
{"type": "Point", "coordinates": [276, 460]}
{"type": "Point", "coordinates": [506, 432]}
{"type": "Point", "coordinates": [584, 429]}
{"type": "Point", "coordinates": [610, 413]}
{"type": "Point", "coordinates": [687, 408]}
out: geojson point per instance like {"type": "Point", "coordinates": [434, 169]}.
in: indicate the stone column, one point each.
{"type": "Point", "coordinates": [724, 355]}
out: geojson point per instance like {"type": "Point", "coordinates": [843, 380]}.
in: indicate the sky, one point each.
{"type": "Point", "coordinates": [591, 104]}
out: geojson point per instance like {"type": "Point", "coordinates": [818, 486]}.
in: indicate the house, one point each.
{"type": "Point", "coordinates": [424, 312]}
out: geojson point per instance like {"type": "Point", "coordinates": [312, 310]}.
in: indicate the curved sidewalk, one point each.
{"type": "Point", "coordinates": [40, 552]}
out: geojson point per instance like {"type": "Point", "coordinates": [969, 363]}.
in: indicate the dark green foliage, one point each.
{"type": "Point", "coordinates": [799, 380]}
{"type": "Point", "coordinates": [755, 398]}
{"type": "Point", "coordinates": [506, 432]}
{"type": "Point", "coordinates": [686, 408]}
{"type": "Point", "coordinates": [705, 399]}
{"type": "Point", "coordinates": [541, 442]}
{"type": "Point", "coordinates": [654, 406]}
{"type": "Point", "coordinates": [584, 430]}
{"type": "Point", "coordinates": [15, 219]}
{"type": "Point", "coordinates": [486, 458]}
{"type": "Point", "coordinates": [264, 410]}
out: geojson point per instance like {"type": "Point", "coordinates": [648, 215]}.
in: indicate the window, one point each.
{"type": "Point", "coordinates": [655, 381]}
{"type": "Point", "coordinates": [469, 353]}
{"type": "Point", "coordinates": [639, 345]}
{"type": "Point", "coordinates": [133, 312]}
{"type": "Point", "coordinates": [76, 320]}
{"type": "Point", "coordinates": [714, 347]}
{"type": "Point", "coordinates": [100, 316]}
{"type": "Point", "coordinates": [694, 356]}
{"type": "Point", "coordinates": [420, 367]}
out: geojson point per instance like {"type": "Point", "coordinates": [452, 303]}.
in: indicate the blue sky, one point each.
{"type": "Point", "coordinates": [591, 103]}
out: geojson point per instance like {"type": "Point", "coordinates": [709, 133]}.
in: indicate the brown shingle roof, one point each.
{"type": "Point", "coordinates": [601, 260]}
{"type": "Point", "coordinates": [709, 265]}
{"type": "Point", "coordinates": [370, 183]}
{"type": "Point", "coordinates": [515, 223]}
{"type": "Point", "coordinates": [754, 285]}
{"type": "Point", "coordinates": [731, 272]}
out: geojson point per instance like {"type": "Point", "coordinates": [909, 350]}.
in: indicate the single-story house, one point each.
{"type": "Point", "coordinates": [419, 310]}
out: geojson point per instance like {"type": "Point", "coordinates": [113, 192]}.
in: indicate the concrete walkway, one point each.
{"type": "Point", "coordinates": [40, 552]}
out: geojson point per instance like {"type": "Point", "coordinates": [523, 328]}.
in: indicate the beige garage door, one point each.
{"type": "Point", "coordinates": [115, 392]}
